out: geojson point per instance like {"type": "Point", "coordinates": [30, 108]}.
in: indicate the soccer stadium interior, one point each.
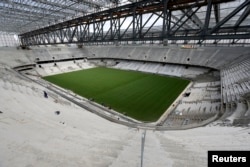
{"type": "Point", "coordinates": [206, 42]}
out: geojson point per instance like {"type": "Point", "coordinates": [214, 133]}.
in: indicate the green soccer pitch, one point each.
{"type": "Point", "coordinates": [142, 96]}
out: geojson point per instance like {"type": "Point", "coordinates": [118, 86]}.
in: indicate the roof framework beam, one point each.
{"type": "Point", "coordinates": [243, 16]}
{"type": "Point", "coordinates": [228, 17]}
{"type": "Point", "coordinates": [189, 15]}
{"type": "Point", "coordinates": [217, 12]}
{"type": "Point", "coordinates": [174, 20]}
{"type": "Point", "coordinates": [207, 19]}
{"type": "Point", "coordinates": [195, 19]}
{"type": "Point", "coordinates": [89, 3]}
{"type": "Point", "coordinates": [145, 21]}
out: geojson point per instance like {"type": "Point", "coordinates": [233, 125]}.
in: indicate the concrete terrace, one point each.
{"type": "Point", "coordinates": [34, 134]}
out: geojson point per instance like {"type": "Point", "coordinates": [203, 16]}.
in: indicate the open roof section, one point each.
{"type": "Point", "coordinates": [21, 16]}
{"type": "Point", "coordinates": [150, 20]}
{"type": "Point", "coordinates": [26, 15]}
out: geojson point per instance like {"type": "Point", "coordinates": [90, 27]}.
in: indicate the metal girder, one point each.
{"type": "Point", "coordinates": [195, 19]}
{"type": "Point", "coordinates": [243, 16]}
{"type": "Point", "coordinates": [143, 21]}
{"type": "Point", "coordinates": [239, 8]}
{"type": "Point", "coordinates": [89, 3]}
{"type": "Point", "coordinates": [208, 14]}
{"type": "Point", "coordinates": [123, 11]}
{"type": "Point", "coordinates": [187, 15]}
{"type": "Point", "coordinates": [217, 12]}
{"type": "Point", "coordinates": [173, 19]}
{"type": "Point", "coordinates": [166, 19]}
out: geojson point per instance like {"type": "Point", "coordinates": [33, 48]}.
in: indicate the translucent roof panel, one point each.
{"type": "Point", "coordinates": [21, 16]}
{"type": "Point", "coordinates": [25, 15]}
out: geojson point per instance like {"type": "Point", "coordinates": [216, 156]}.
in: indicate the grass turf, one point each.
{"type": "Point", "coordinates": [138, 95]}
